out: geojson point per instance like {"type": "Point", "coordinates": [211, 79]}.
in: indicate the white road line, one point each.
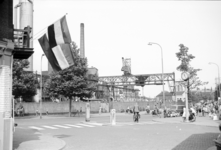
{"type": "Point", "coordinates": [73, 125]}
{"type": "Point", "coordinates": [94, 123]}
{"type": "Point", "coordinates": [61, 126]}
{"type": "Point", "coordinates": [85, 125]}
{"type": "Point", "coordinates": [32, 127]}
{"type": "Point", "coordinates": [49, 127]}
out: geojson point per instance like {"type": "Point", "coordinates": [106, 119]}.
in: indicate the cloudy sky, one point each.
{"type": "Point", "coordinates": [116, 29]}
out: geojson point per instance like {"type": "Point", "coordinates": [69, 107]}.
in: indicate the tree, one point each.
{"type": "Point", "coordinates": [185, 58]}
{"type": "Point", "coordinates": [71, 82]}
{"type": "Point", "coordinates": [197, 96]}
{"type": "Point", "coordinates": [24, 82]}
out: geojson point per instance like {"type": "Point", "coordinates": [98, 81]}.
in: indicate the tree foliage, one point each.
{"type": "Point", "coordinates": [24, 82]}
{"type": "Point", "coordinates": [184, 57]}
{"type": "Point", "coordinates": [72, 81]}
{"type": "Point", "coordinates": [194, 80]}
{"type": "Point", "coordinates": [197, 96]}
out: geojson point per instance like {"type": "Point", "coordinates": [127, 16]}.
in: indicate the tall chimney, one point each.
{"type": "Point", "coordinates": [26, 19]}
{"type": "Point", "coordinates": [82, 52]}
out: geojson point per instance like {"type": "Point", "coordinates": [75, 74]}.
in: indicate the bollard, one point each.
{"type": "Point", "coordinates": [113, 117]}
{"type": "Point", "coordinates": [100, 110]}
{"type": "Point", "coordinates": [87, 111]}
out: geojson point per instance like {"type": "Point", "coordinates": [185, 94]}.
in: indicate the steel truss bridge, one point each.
{"type": "Point", "coordinates": [139, 80]}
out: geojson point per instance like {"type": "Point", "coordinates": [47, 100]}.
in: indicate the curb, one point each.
{"type": "Point", "coordinates": [64, 145]}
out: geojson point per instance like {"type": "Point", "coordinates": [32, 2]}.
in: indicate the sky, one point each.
{"type": "Point", "coordinates": [116, 29]}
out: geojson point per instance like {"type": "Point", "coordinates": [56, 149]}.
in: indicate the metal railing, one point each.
{"type": "Point", "coordinates": [21, 38]}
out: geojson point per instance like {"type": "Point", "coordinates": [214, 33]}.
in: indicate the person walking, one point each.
{"type": "Point", "coordinates": [203, 110]}
{"type": "Point", "coordinates": [184, 114]}
{"type": "Point", "coordinates": [136, 111]}
{"type": "Point", "coordinates": [148, 109]}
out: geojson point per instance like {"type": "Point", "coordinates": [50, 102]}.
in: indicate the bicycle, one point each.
{"type": "Point", "coordinates": [136, 117]}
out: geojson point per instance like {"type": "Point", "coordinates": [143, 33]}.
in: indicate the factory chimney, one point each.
{"type": "Point", "coordinates": [82, 52]}
{"type": "Point", "coordinates": [26, 19]}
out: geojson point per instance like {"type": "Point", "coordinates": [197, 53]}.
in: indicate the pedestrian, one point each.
{"type": "Point", "coordinates": [80, 111]}
{"type": "Point", "coordinates": [216, 109]}
{"type": "Point", "coordinates": [148, 109]}
{"type": "Point", "coordinates": [203, 110]}
{"type": "Point", "coordinates": [197, 109]}
{"type": "Point", "coordinates": [192, 117]}
{"type": "Point", "coordinates": [184, 114]}
{"type": "Point", "coordinates": [136, 110]}
{"type": "Point", "coordinates": [200, 111]}
{"type": "Point", "coordinates": [193, 110]}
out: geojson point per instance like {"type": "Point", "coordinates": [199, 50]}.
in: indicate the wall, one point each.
{"type": "Point", "coordinates": [62, 107]}
{"type": "Point", "coordinates": [6, 18]}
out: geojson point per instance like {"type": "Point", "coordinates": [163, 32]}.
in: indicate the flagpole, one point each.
{"type": "Point", "coordinates": [45, 28]}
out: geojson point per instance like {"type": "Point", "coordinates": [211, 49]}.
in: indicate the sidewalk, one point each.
{"type": "Point", "coordinates": [25, 139]}
{"type": "Point", "coordinates": [204, 121]}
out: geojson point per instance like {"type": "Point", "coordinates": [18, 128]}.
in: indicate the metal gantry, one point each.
{"type": "Point", "coordinates": [139, 80]}
{"type": "Point", "coordinates": [149, 79]}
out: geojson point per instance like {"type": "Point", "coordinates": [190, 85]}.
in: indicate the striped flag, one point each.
{"type": "Point", "coordinates": [56, 45]}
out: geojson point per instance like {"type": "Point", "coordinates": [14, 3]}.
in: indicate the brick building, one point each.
{"type": "Point", "coordinates": [6, 19]}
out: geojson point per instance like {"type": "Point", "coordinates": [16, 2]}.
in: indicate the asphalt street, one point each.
{"type": "Point", "coordinates": [99, 134]}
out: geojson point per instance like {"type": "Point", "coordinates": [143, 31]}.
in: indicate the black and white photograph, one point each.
{"type": "Point", "coordinates": [110, 75]}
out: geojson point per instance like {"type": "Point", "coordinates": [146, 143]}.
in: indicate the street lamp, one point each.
{"type": "Point", "coordinates": [151, 43]}
{"type": "Point", "coordinates": [218, 93]}
{"type": "Point", "coordinates": [41, 89]}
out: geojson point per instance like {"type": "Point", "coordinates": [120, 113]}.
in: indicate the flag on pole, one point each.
{"type": "Point", "coordinates": [56, 45]}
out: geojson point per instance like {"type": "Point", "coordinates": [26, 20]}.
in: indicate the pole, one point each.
{"type": "Point", "coordinates": [218, 81]}
{"type": "Point", "coordinates": [162, 76]}
{"type": "Point", "coordinates": [41, 89]}
{"type": "Point", "coordinates": [187, 107]}
{"type": "Point", "coordinates": [218, 90]}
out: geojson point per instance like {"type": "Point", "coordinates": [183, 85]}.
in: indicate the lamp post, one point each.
{"type": "Point", "coordinates": [41, 89]}
{"type": "Point", "coordinates": [151, 43]}
{"type": "Point", "coordinates": [218, 93]}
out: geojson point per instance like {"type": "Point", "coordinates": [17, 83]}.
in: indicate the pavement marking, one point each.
{"type": "Point", "coordinates": [94, 123]}
{"type": "Point", "coordinates": [49, 127]}
{"type": "Point", "coordinates": [85, 125]}
{"type": "Point", "coordinates": [61, 126]}
{"type": "Point", "coordinates": [73, 125]}
{"type": "Point", "coordinates": [32, 127]}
